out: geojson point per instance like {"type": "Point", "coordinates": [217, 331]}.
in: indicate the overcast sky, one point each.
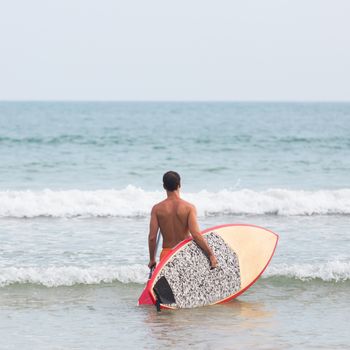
{"type": "Point", "coordinates": [175, 50]}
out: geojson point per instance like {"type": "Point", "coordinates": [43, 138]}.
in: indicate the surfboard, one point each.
{"type": "Point", "coordinates": [183, 279]}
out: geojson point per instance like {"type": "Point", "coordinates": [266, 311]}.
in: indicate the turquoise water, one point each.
{"type": "Point", "coordinates": [213, 145]}
{"type": "Point", "coordinates": [77, 181]}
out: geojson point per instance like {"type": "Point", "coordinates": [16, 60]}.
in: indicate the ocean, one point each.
{"type": "Point", "coordinates": [78, 180]}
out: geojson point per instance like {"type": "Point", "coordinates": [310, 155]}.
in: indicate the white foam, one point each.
{"type": "Point", "coordinates": [331, 271]}
{"type": "Point", "coordinates": [133, 202]}
{"type": "Point", "coordinates": [55, 276]}
{"type": "Point", "coordinates": [72, 275]}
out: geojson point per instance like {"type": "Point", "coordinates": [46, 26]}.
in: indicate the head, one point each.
{"type": "Point", "coordinates": [171, 181]}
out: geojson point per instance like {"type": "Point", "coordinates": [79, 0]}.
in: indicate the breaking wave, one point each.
{"type": "Point", "coordinates": [333, 271]}
{"type": "Point", "coordinates": [134, 202]}
{"type": "Point", "coordinates": [72, 275]}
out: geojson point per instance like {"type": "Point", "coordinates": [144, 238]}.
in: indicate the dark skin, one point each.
{"type": "Point", "coordinates": [177, 220]}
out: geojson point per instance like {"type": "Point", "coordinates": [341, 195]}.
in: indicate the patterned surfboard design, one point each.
{"type": "Point", "coordinates": [187, 281]}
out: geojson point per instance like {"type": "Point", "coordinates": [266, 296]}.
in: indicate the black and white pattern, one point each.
{"type": "Point", "coordinates": [191, 280]}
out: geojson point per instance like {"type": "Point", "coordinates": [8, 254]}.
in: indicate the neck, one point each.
{"type": "Point", "coordinates": [173, 194]}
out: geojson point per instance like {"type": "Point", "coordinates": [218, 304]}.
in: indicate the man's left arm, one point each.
{"type": "Point", "coordinates": [152, 238]}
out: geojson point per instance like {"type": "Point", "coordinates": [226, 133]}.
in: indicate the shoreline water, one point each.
{"type": "Point", "coordinates": [78, 181]}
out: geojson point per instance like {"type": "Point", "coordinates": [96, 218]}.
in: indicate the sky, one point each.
{"type": "Point", "coordinates": [249, 50]}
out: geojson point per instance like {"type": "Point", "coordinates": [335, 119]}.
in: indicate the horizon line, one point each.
{"type": "Point", "coordinates": [169, 101]}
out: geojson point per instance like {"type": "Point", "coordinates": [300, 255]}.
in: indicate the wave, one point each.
{"type": "Point", "coordinates": [335, 142]}
{"type": "Point", "coordinates": [334, 271]}
{"type": "Point", "coordinates": [331, 271]}
{"type": "Point", "coordinates": [72, 275]}
{"type": "Point", "coordinates": [65, 139]}
{"type": "Point", "coordinates": [135, 202]}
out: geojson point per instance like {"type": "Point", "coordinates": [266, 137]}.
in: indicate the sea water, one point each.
{"type": "Point", "coordinates": [77, 183]}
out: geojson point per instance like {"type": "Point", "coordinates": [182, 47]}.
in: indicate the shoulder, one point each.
{"type": "Point", "coordinates": [188, 205]}
{"type": "Point", "coordinates": [157, 206]}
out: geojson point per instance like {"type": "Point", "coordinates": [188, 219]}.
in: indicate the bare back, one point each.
{"type": "Point", "coordinates": [173, 219]}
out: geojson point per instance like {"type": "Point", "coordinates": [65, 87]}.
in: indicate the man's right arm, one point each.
{"type": "Point", "coordinates": [198, 238]}
{"type": "Point", "coordinates": [152, 238]}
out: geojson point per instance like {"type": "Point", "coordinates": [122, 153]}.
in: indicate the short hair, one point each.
{"type": "Point", "coordinates": [171, 181]}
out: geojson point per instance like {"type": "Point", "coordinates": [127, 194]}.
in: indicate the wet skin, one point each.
{"type": "Point", "coordinates": [176, 219]}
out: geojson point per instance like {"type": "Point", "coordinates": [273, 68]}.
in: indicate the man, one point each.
{"type": "Point", "coordinates": [175, 218]}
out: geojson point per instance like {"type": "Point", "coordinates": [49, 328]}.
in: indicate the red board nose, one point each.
{"type": "Point", "coordinates": [145, 298]}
